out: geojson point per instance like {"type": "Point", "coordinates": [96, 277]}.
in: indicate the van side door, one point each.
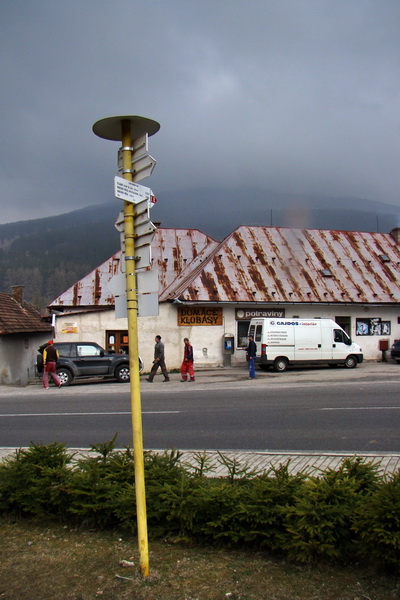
{"type": "Point", "coordinates": [308, 343]}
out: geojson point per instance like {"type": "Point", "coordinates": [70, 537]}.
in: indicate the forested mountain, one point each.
{"type": "Point", "coordinates": [49, 255]}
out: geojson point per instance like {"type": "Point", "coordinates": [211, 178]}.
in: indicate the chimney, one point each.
{"type": "Point", "coordinates": [18, 293]}
{"type": "Point", "coordinates": [395, 233]}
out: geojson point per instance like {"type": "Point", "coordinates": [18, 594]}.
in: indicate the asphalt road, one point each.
{"type": "Point", "coordinates": [319, 410]}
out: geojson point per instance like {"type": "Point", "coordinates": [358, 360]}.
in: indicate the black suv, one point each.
{"type": "Point", "coordinates": [395, 351]}
{"type": "Point", "coordinates": [78, 360]}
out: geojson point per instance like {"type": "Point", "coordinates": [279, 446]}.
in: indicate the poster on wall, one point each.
{"type": "Point", "coordinates": [372, 326]}
{"type": "Point", "coordinates": [69, 328]}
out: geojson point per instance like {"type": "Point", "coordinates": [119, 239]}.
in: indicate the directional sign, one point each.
{"type": "Point", "coordinates": [143, 167]}
{"type": "Point", "coordinates": [147, 294]}
{"type": "Point", "coordinates": [147, 281]}
{"type": "Point", "coordinates": [130, 191]}
{"type": "Point", "coordinates": [147, 305]}
{"type": "Point", "coordinates": [144, 229]}
{"type": "Point", "coordinates": [144, 234]}
{"type": "Point", "coordinates": [139, 147]}
{"type": "Point", "coordinates": [117, 284]}
{"type": "Point", "coordinates": [142, 212]}
{"type": "Point", "coordinates": [143, 256]}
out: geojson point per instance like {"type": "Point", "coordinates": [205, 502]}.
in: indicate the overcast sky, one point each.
{"type": "Point", "coordinates": [297, 96]}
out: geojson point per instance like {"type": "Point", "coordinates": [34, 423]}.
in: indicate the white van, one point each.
{"type": "Point", "coordinates": [282, 342]}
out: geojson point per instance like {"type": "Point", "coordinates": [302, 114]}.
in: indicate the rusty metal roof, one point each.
{"type": "Point", "coordinates": [273, 264]}
{"type": "Point", "coordinates": [173, 252]}
{"type": "Point", "coordinates": [260, 264]}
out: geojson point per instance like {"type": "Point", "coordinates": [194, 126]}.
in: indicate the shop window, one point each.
{"type": "Point", "coordinates": [242, 330]}
{"type": "Point", "coordinates": [117, 342]}
{"type": "Point", "coordinates": [373, 326]}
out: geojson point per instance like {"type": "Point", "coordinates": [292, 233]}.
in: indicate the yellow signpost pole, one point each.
{"type": "Point", "coordinates": [126, 129]}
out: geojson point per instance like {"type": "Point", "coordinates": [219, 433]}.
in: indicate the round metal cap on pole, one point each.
{"type": "Point", "coordinates": [110, 128]}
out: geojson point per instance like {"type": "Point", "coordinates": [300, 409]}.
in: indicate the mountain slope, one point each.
{"type": "Point", "coordinates": [48, 255]}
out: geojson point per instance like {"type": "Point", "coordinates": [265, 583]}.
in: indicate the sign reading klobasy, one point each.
{"type": "Point", "coordinates": [132, 192]}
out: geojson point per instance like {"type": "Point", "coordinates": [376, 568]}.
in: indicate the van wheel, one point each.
{"type": "Point", "coordinates": [350, 362]}
{"type": "Point", "coordinates": [280, 364]}
{"type": "Point", "coordinates": [64, 375]}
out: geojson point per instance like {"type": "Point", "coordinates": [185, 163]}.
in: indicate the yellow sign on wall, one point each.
{"type": "Point", "coordinates": [192, 315]}
{"type": "Point", "coordinates": [69, 328]}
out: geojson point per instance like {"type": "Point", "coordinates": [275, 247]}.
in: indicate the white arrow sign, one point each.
{"type": "Point", "coordinates": [143, 167]}
{"type": "Point", "coordinates": [144, 229]}
{"type": "Point", "coordinates": [143, 241]}
{"type": "Point", "coordinates": [131, 191]}
{"type": "Point", "coordinates": [139, 147]}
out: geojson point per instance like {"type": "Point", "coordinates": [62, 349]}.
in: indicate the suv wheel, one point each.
{"type": "Point", "coordinates": [122, 374]}
{"type": "Point", "coordinates": [64, 375]}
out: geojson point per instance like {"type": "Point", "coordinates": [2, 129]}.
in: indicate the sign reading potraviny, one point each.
{"type": "Point", "coordinates": [132, 192]}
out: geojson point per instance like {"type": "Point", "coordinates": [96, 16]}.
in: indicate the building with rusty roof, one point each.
{"type": "Point", "coordinates": [209, 290]}
{"type": "Point", "coordinates": [22, 331]}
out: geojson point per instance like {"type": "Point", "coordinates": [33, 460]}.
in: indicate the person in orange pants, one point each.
{"type": "Point", "coordinates": [187, 363]}
{"type": "Point", "coordinates": [50, 356]}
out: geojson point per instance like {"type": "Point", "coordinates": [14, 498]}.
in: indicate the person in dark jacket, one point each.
{"type": "Point", "coordinates": [50, 357]}
{"type": "Point", "coordinates": [159, 361]}
{"type": "Point", "coordinates": [251, 353]}
{"type": "Point", "coordinates": [187, 363]}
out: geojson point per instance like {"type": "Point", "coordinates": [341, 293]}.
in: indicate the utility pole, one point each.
{"type": "Point", "coordinates": [127, 129]}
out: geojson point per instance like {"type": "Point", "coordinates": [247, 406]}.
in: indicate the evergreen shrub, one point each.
{"type": "Point", "coordinates": [348, 513]}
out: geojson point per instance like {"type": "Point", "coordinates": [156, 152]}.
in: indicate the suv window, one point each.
{"type": "Point", "coordinates": [64, 349]}
{"type": "Point", "coordinates": [87, 350]}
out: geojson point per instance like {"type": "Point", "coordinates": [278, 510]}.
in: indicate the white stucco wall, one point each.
{"type": "Point", "coordinates": [18, 357]}
{"type": "Point", "coordinates": [207, 341]}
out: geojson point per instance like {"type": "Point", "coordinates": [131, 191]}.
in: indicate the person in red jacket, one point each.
{"type": "Point", "coordinates": [187, 363]}
{"type": "Point", "coordinates": [50, 357]}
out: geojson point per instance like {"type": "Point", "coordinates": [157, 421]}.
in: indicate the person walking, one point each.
{"type": "Point", "coordinates": [251, 353]}
{"type": "Point", "coordinates": [159, 361]}
{"type": "Point", "coordinates": [187, 363]}
{"type": "Point", "coordinates": [50, 357]}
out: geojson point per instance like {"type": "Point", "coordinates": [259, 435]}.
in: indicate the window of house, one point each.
{"type": "Point", "coordinates": [117, 342]}
{"type": "Point", "coordinates": [242, 330]}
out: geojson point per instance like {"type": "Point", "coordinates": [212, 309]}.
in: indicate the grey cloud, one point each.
{"type": "Point", "coordinates": [299, 97]}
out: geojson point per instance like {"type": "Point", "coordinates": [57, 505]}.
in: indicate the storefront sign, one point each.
{"type": "Point", "coordinates": [199, 316]}
{"type": "Point", "coordinates": [245, 314]}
